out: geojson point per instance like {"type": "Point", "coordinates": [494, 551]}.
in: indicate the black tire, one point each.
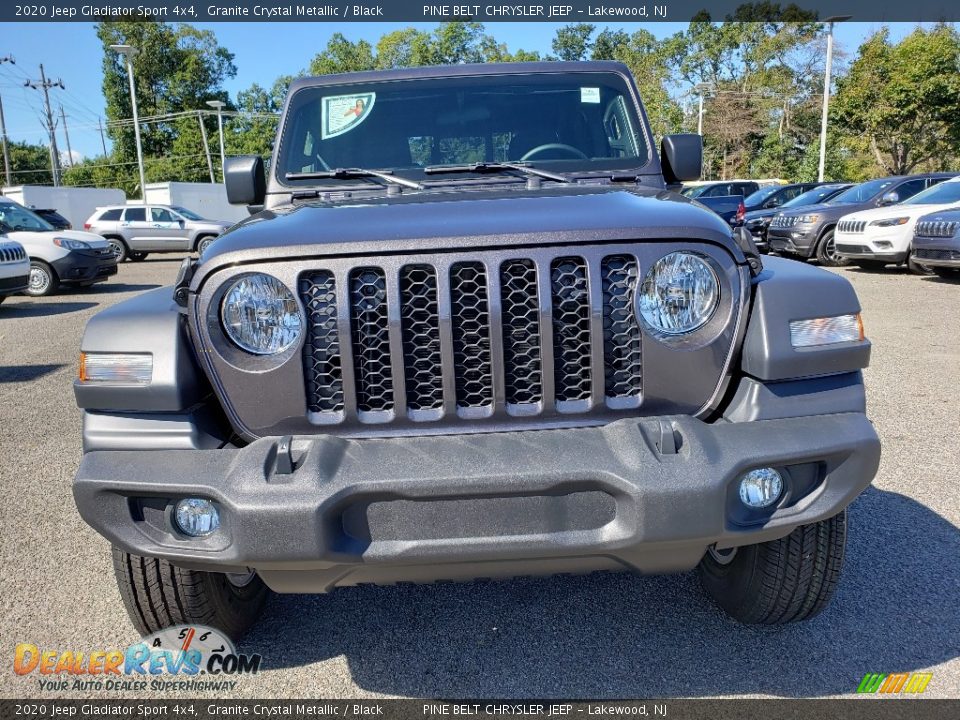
{"type": "Point", "coordinates": [2, 298]}
{"type": "Point", "coordinates": [204, 242]}
{"type": "Point", "coordinates": [826, 252]}
{"type": "Point", "coordinates": [157, 595]}
{"type": "Point", "coordinates": [43, 280]}
{"type": "Point", "coordinates": [780, 581]}
{"type": "Point", "coordinates": [138, 256]}
{"type": "Point", "coordinates": [947, 273]}
{"type": "Point", "coordinates": [119, 247]}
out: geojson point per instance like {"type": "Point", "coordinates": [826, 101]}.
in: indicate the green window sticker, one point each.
{"type": "Point", "coordinates": [590, 95]}
{"type": "Point", "coordinates": [342, 113]}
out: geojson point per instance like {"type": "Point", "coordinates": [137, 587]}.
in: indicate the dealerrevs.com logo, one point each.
{"type": "Point", "coordinates": [894, 683]}
{"type": "Point", "coordinates": [173, 659]}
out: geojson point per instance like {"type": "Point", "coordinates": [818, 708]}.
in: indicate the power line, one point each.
{"type": "Point", "coordinates": [45, 85]}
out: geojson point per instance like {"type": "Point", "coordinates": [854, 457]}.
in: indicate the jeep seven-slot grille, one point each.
{"type": "Point", "coordinates": [851, 226]}
{"type": "Point", "coordinates": [936, 228]}
{"type": "Point", "coordinates": [473, 338]}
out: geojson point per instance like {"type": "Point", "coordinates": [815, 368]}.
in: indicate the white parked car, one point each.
{"type": "Point", "coordinates": [57, 257]}
{"type": "Point", "coordinates": [881, 236]}
{"type": "Point", "coordinates": [14, 268]}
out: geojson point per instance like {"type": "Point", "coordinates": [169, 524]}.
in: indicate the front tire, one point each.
{"type": "Point", "coordinates": [157, 595]}
{"type": "Point", "coordinates": [780, 581]}
{"type": "Point", "coordinates": [138, 256]}
{"type": "Point", "coordinates": [827, 252]}
{"type": "Point", "coordinates": [43, 280]}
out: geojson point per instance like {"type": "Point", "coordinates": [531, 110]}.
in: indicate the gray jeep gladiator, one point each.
{"type": "Point", "coordinates": [469, 331]}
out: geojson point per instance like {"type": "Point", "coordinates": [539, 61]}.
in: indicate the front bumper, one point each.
{"type": "Point", "coordinates": [937, 252]}
{"type": "Point", "coordinates": [649, 495]}
{"type": "Point", "coordinates": [854, 250]}
{"type": "Point", "coordinates": [15, 284]}
{"type": "Point", "coordinates": [796, 240]}
{"type": "Point", "coordinates": [81, 266]}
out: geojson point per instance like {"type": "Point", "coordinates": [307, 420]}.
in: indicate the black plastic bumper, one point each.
{"type": "Point", "coordinates": [649, 495]}
{"type": "Point", "coordinates": [12, 285]}
{"type": "Point", "coordinates": [79, 266]}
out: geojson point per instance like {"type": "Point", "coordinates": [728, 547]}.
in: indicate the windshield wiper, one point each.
{"type": "Point", "coordinates": [492, 167]}
{"type": "Point", "coordinates": [347, 173]}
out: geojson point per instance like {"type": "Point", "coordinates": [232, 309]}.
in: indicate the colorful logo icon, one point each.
{"type": "Point", "coordinates": [894, 683]}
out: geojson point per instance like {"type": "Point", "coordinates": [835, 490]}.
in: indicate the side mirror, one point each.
{"type": "Point", "coordinates": [772, 203]}
{"type": "Point", "coordinates": [682, 157]}
{"type": "Point", "coordinates": [245, 179]}
{"type": "Point", "coordinates": [890, 198]}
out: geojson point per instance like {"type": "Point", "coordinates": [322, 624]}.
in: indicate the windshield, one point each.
{"type": "Point", "coordinates": [862, 193]}
{"type": "Point", "coordinates": [188, 214]}
{"type": "Point", "coordinates": [576, 122]}
{"type": "Point", "coordinates": [812, 197]}
{"type": "Point", "coordinates": [18, 218]}
{"type": "Point", "coordinates": [695, 192]}
{"type": "Point", "coordinates": [944, 193]}
{"type": "Point", "coordinates": [760, 195]}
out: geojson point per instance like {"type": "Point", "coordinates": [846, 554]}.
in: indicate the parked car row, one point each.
{"type": "Point", "coordinates": [40, 253]}
{"type": "Point", "coordinates": [872, 224]}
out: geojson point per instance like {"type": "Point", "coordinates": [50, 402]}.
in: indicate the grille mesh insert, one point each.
{"type": "Point", "coordinates": [471, 334]}
{"type": "Point", "coordinates": [523, 377]}
{"type": "Point", "coordinates": [420, 326]}
{"type": "Point", "coordinates": [571, 328]}
{"type": "Point", "coordinates": [321, 351]}
{"type": "Point", "coordinates": [622, 357]}
{"type": "Point", "coordinates": [370, 335]}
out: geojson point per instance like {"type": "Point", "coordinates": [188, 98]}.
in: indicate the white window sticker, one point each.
{"type": "Point", "coordinates": [590, 95]}
{"type": "Point", "coordinates": [342, 113]}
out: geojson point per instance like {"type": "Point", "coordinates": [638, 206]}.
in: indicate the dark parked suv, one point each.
{"type": "Point", "coordinates": [757, 221]}
{"type": "Point", "coordinates": [808, 232]}
{"type": "Point", "coordinates": [936, 243]}
{"type": "Point", "coordinates": [470, 333]}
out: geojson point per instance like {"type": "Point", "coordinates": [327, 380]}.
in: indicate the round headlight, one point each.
{"type": "Point", "coordinates": [679, 294]}
{"type": "Point", "coordinates": [261, 315]}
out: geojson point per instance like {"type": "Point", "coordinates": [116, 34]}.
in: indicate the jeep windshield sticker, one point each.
{"type": "Point", "coordinates": [342, 113]}
{"type": "Point", "coordinates": [590, 95]}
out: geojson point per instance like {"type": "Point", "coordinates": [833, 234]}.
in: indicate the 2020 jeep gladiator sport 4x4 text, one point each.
{"type": "Point", "coordinates": [469, 332]}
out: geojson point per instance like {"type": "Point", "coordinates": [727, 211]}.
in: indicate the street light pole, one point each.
{"type": "Point", "coordinates": [129, 53]}
{"type": "Point", "coordinates": [826, 93]}
{"type": "Point", "coordinates": [219, 104]}
{"type": "Point", "coordinates": [702, 89]}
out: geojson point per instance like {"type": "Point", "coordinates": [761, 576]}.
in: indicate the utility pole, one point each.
{"type": "Point", "coordinates": [3, 129]}
{"type": "Point", "coordinates": [129, 53]}
{"type": "Point", "coordinates": [103, 140]}
{"type": "Point", "coordinates": [6, 152]}
{"type": "Point", "coordinates": [45, 85]}
{"type": "Point", "coordinates": [63, 115]}
{"type": "Point", "coordinates": [826, 93]}
{"type": "Point", "coordinates": [206, 146]}
{"type": "Point", "coordinates": [218, 105]}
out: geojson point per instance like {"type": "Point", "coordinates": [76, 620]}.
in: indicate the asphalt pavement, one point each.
{"type": "Point", "coordinates": [598, 636]}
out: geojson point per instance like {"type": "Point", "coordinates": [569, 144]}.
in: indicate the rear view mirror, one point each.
{"type": "Point", "coordinates": [890, 198]}
{"type": "Point", "coordinates": [682, 157]}
{"type": "Point", "coordinates": [245, 180]}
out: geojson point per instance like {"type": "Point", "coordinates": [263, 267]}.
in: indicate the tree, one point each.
{"type": "Point", "coordinates": [572, 42]}
{"type": "Point", "coordinates": [177, 70]}
{"type": "Point", "coordinates": [29, 163]}
{"type": "Point", "coordinates": [904, 99]}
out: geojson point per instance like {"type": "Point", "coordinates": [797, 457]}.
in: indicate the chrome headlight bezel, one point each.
{"type": "Point", "coordinates": [283, 304]}
{"type": "Point", "coordinates": [647, 304]}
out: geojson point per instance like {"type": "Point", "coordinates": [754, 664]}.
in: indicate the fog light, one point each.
{"type": "Point", "coordinates": [197, 517]}
{"type": "Point", "coordinates": [760, 488]}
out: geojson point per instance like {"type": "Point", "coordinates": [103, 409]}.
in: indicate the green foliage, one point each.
{"type": "Point", "coordinates": [29, 163]}
{"type": "Point", "coordinates": [572, 42]}
{"type": "Point", "coordinates": [178, 68]}
{"type": "Point", "coordinates": [904, 99]}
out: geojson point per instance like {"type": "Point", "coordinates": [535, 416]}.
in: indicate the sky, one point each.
{"type": "Point", "coordinates": [263, 51]}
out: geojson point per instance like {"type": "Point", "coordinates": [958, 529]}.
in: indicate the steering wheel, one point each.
{"type": "Point", "coordinates": [553, 146]}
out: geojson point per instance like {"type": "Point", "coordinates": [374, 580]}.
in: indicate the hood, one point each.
{"type": "Point", "coordinates": [890, 211]}
{"type": "Point", "coordinates": [422, 222]}
{"type": "Point", "coordinates": [95, 241]}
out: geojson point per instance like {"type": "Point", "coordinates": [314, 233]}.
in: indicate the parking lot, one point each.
{"type": "Point", "coordinates": [613, 635]}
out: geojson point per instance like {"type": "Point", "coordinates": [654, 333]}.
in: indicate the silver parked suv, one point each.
{"type": "Point", "coordinates": [136, 230]}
